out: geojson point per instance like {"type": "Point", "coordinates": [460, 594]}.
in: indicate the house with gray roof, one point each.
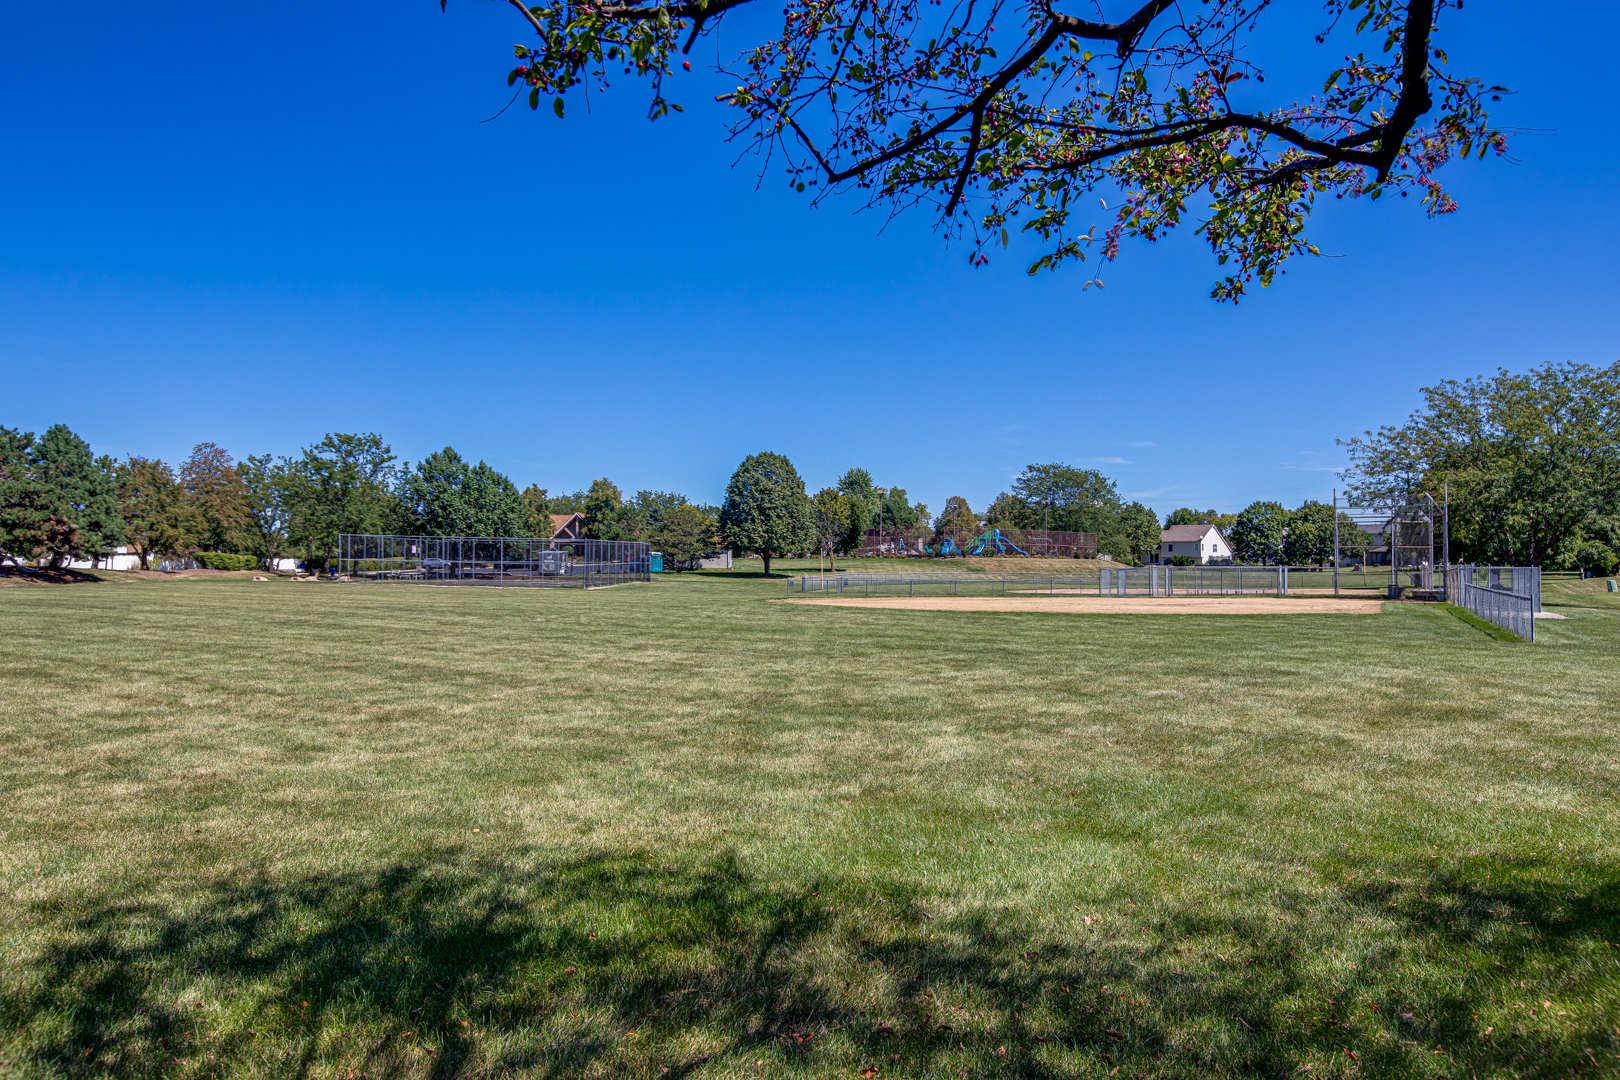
{"type": "Point", "coordinates": [1203, 543]}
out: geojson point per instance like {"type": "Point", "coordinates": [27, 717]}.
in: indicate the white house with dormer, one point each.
{"type": "Point", "coordinates": [1202, 543]}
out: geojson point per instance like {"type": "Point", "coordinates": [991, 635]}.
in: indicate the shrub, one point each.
{"type": "Point", "coordinates": [225, 560]}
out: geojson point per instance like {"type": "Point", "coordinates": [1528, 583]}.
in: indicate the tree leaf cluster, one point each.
{"type": "Point", "coordinates": [1000, 119]}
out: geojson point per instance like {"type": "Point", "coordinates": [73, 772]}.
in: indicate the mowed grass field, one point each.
{"type": "Point", "coordinates": [669, 830]}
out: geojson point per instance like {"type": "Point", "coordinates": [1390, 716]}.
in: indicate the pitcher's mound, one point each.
{"type": "Point", "coordinates": [1111, 605]}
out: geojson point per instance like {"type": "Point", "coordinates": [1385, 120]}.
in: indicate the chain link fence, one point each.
{"type": "Point", "coordinates": [1120, 581]}
{"type": "Point", "coordinates": [1505, 596]}
{"type": "Point", "coordinates": [491, 560]}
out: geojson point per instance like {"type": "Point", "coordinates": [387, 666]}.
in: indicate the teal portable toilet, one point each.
{"type": "Point", "coordinates": [658, 562]}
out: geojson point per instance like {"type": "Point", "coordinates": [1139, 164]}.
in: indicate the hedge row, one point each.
{"type": "Point", "coordinates": [224, 560]}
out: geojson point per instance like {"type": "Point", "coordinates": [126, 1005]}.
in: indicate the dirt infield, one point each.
{"type": "Point", "coordinates": [1110, 605]}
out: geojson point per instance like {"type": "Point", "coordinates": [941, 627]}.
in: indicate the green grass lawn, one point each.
{"type": "Point", "coordinates": [275, 829]}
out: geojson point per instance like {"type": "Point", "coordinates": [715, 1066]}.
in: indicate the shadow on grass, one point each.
{"type": "Point", "coordinates": [616, 964]}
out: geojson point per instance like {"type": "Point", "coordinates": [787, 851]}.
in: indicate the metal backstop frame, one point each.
{"type": "Point", "coordinates": [492, 560]}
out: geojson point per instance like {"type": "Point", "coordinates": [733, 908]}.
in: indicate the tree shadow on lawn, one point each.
{"type": "Point", "coordinates": [618, 964]}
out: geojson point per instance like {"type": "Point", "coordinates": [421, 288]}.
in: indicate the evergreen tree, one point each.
{"type": "Point", "coordinates": [32, 518]}
{"type": "Point", "coordinates": [86, 495]}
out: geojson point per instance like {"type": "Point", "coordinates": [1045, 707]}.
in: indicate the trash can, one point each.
{"type": "Point", "coordinates": [1397, 592]}
{"type": "Point", "coordinates": [658, 562]}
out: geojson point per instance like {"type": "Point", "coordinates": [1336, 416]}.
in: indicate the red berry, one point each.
{"type": "Point", "coordinates": [687, 64]}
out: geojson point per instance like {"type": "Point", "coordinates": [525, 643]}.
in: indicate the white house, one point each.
{"type": "Point", "coordinates": [1203, 543]}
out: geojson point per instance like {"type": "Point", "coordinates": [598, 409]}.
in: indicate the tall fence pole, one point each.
{"type": "Point", "coordinates": [1335, 541]}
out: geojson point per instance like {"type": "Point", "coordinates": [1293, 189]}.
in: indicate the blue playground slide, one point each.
{"type": "Point", "coordinates": [1002, 544]}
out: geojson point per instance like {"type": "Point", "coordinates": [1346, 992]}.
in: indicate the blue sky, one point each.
{"type": "Point", "coordinates": [256, 225]}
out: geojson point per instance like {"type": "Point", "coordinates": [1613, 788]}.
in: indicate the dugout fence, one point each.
{"type": "Point", "coordinates": [492, 560]}
{"type": "Point", "coordinates": [1506, 596]}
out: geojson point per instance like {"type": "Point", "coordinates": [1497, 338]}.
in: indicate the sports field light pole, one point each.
{"type": "Point", "coordinates": [1445, 525]}
{"type": "Point", "coordinates": [1335, 542]}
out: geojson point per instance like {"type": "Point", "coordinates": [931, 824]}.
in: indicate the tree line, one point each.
{"type": "Point", "coordinates": [1530, 463]}
{"type": "Point", "coordinates": [58, 503]}
{"type": "Point", "coordinates": [767, 511]}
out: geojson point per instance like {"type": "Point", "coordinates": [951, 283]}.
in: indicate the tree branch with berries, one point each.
{"type": "Point", "coordinates": [910, 104]}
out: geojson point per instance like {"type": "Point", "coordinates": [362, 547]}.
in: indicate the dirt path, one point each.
{"type": "Point", "coordinates": [1110, 605]}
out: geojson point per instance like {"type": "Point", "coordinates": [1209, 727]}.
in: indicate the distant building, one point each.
{"type": "Point", "coordinates": [1202, 543]}
{"type": "Point", "coordinates": [567, 526]}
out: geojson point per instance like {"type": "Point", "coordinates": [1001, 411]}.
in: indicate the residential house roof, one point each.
{"type": "Point", "coordinates": [559, 522]}
{"type": "Point", "coordinates": [1187, 534]}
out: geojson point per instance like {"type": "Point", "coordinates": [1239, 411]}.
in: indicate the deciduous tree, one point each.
{"type": "Point", "coordinates": [213, 491]}
{"type": "Point", "coordinates": [1310, 535]}
{"type": "Point", "coordinates": [1008, 511]}
{"type": "Point", "coordinates": [684, 533]}
{"type": "Point", "coordinates": [1530, 460]}
{"type": "Point", "coordinates": [833, 511]}
{"type": "Point", "coordinates": [157, 519]}
{"type": "Point", "coordinates": [766, 510]}
{"type": "Point", "coordinates": [537, 513]}
{"type": "Point", "coordinates": [267, 488]}
{"type": "Point", "coordinates": [344, 484]}
{"type": "Point", "coordinates": [450, 497]}
{"type": "Point", "coordinates": [1259, 533]}
{"type": "Point", "coordinates": [1188, 516]}
{"type": "Point", "coordinates": [1002, 117]}
{"type": "Point", "coordinates": [858, 487]}
{"type": "Point", "coordinates": [957, 517]}
{"type": "Point", "coordinates": [1138, 527]}
{"type": "Point", "coordinates": [1064, 497]}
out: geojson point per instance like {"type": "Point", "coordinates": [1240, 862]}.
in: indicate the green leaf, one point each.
{"type": "Point", "coordinates": [556, 106]}
{"type": "Point", "coordinates": [534, 98]}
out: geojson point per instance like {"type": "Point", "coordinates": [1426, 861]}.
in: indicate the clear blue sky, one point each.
{"type": "Point", "coordinates": [254, 225]}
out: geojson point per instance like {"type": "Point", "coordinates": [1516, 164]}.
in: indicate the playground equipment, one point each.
{"type": "Point", "coordinates": [1002, 544]}
{"type": "Point", "coordinates": [997, 541]}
